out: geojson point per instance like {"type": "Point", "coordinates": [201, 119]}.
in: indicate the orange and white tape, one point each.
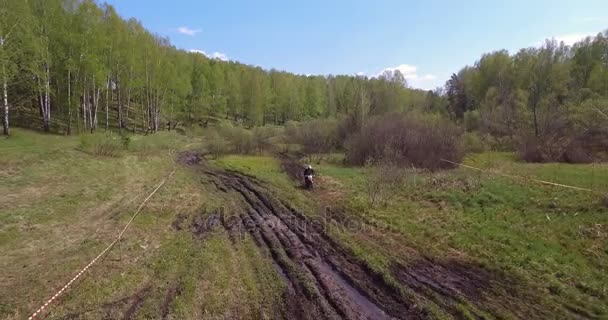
{"type": "Point", "coordinates": [83, 270]}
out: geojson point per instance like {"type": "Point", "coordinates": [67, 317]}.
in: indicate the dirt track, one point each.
{"type": "Point", "coordinates": [325, 281]}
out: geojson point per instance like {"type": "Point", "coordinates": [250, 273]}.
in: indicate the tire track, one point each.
{"type": "Point", "coordinates": [322, 279]}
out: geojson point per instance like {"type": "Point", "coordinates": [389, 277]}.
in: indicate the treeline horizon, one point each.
{"type": "Point", "coordinates": [550, 102]}
{"type": "Point", "coordinates": [72, 66]}
{"type": "Point", "coordinates": [75, 66]}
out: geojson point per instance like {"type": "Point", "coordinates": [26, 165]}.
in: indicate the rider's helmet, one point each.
{"type": "Point", "coordinates": [308, 167]}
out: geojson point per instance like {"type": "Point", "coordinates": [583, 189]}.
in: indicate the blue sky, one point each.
{"type": "Point", "coordinates": [426, 40]}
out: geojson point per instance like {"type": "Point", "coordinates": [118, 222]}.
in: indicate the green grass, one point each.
{"type": "Point", "coordinates": [552, 237]}
{"type": "Point", "coordinates": [62, 205]}
{"type": "Point", "coordinates": [269, 170]}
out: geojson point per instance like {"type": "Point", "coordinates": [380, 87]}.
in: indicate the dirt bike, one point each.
{"type": "Point", "coordinates": [308, 182]}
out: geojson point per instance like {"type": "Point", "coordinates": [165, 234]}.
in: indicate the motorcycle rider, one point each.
{"type": "Point", "coordinates": [308, 174]}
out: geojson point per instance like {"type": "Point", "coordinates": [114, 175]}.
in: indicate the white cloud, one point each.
{"type": "Point", "coordinates": [187, 31]}
{"type": "Point", "coordinates": [410, 73]}
{"type": "Point", "coordinates": [219, 56]}
{"type": "Point", "coordinates": [215, 55]}
{"type": "Point", "coordinates": [360, 73]}
{"type": "Point", "coordinates": [567, 38]}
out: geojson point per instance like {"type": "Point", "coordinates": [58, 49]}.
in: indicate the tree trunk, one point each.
{"type": "Point", "coordinates": [4, 93]}
{"type": "Point", "coordinates": [107, 102]}
{"type": "Point", "coordinates": [84, 103]}
{"type": "Point", "coordinates": [119, 109]}
{"type": "Point", "coordinates": [42, 104]}
{"type": "Point", "coordinates": [47, 100]}
{"type": "Point", "coordinates": [128, 107]}
{"type": "Point", "coordinates": [5, 99]}
{"type": "Point", "coordinates": [535, 122]}
{"type": "Point", "coordinates": [69, 104]}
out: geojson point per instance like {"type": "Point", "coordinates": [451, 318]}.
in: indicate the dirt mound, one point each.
{"type": "Point", "coordinates": [189, 158]}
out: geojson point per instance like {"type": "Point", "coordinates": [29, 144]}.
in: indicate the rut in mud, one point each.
{"type": "Point", "coordinates": [323, 281]}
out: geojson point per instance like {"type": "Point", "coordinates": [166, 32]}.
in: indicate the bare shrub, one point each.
{"type": "Point", "coordinates": [571, 147]}
{"type": "Point", "coordinates": [529, 150]}
{"type": "Point", "coordinates": [239, 139]}
{"type": "Point", "coordinates": [576, 134]}
{"type": "Point", "coordinates": [316, 137]}
{"type": "Point", "coordinates": [215, 144]}
{"type": "Point", "coordinates": [265, 138]}
{"type": "Point", "coordinates": [576, 153]}
{"type": "Point", "coordinates": [407, 140]}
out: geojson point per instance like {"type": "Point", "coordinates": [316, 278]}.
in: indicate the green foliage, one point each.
{"type": "Point", "coordinates": [540, 98]}
{"type": "Point", "coordinates": [474, 143]}
{"type": "Point", "coordinates": [86, 68]}
{"type": "Point", "coordinates": [472, 120]}
{"type": "Point", "coordinates": [530, 230]}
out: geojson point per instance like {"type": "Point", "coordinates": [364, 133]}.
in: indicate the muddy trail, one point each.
{"type": "Point", "coordinates": [326, 281]}
{"type": "Point", "coordinates": [323, 281]}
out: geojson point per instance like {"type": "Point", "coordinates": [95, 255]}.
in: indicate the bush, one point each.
{"type": "Point", "coordinates": [411, 140]}
{"type": "Point", "coordinates": [576, 134]}
{"type": "Point", "coordinates": [315, 137]}
{"type": "Point", "coordinates": [266, 138]}
{"type": "Point", "coordinates": [215, 144]}
{"type": "Point", "coordinates": [473, 142]}
{"type": "Point", "coordinates": [101, 144]}
{"type": "Point", "coordinates": [239, 139]}
{"type": "Point", "coordinates": [225, 139]}
{"type": "Point", "coordinates": [583, 147]}
{"type": "Point", "coordinates": [472, 120]}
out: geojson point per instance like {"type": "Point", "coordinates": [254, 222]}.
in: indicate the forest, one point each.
{"type": "Point", "coordinates": [76, 66]}
{"type": "Point", "coordinates": [72, 66]}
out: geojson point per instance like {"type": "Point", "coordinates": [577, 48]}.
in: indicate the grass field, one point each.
{"type": "Point", "coordinates": [554, 239]}
{"type": "Point", "coordinates": [62, 205]}
{"type": "Point", "coordinates": [62, 202]}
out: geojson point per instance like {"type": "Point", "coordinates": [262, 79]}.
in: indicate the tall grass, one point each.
{"type": "Point", "coordinates": [102, 144]}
